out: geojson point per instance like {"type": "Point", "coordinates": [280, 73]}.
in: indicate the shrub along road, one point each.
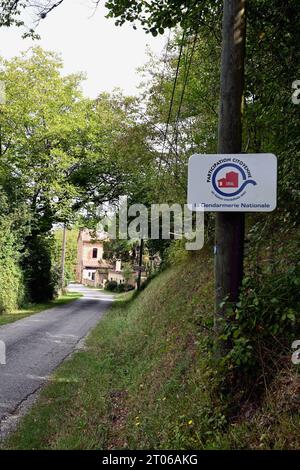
{"type": "Point", "coordinates": [35, 346]}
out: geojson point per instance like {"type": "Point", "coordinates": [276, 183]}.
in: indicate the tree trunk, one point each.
{"type": "Point", "coordinates": [63, 258]}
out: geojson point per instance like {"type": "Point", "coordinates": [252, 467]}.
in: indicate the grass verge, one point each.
{"type": "Point", "coordinates": [36, 308]}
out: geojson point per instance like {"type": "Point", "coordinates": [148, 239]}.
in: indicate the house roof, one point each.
{"type": "Point", "coordinates": [101, 264]}
{"type": "Point", "coordinates": [104, 264]}
{"type": "Point", "coordinates": [87, 235]}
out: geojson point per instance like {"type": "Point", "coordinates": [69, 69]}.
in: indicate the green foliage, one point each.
{"type": "Point", "coordinates": [59, 153]}
{"type": "Point", "coordinates": [12, 290]}
{"type": "Point", "coordinates": [113, 286]}
{"type": "Point", "coordinates": [11, 13]}
{"type": "Point", "coordinates": [32, 309]}
{"type": "Point", "coordinates": [259, 331]}
{"type": "Point", "coordinates": [118, 249]}
{"type": "Point", "coordinates": [155, 16]}
{"type": "Point", "coordinates": [147, 281]}
{"type": "Point", "coordinates": [127, 271]}
{"type": "Point", "coordinates": [71, 252]}
{"type": "Point", "coordinates": [62, 151]}
{"type": "Point", "coordinates": [41, 116]}
{"type": "Point", "coordinates": [271, 120]}
{"type": "Point", "coordinates": [42, 278]}
{"type": "Point", "coordinates": [11, 277]}
{"type": "Point", "coordinates": [192, 124]}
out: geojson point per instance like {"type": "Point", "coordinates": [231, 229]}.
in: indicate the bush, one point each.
{"type": "Point", "coordinates": [262, 327]}
{"type": "Point", "coordinates": [111, 286]}
{"type": "Point", "coordinates": [120, 288]}
{"type": "Point", "coordinates": [42, 278]}
{"type": "Point", "coordinates": [129, 287]}
{"type": "Point", "coordinates": [11, 279]}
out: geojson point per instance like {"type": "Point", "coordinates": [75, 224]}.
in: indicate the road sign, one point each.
{"type": "Point", "coordinates": [233, 182]}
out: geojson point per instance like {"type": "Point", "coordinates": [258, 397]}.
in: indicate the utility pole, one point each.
{"type": "Point", "coordinates": [2, 103]}
{"type": "Point", "coordinates": [230, 227]}
{"type": "Point", "coordinates": [63, 258]}
{"type": "Point", "coordinates": [140, 264]}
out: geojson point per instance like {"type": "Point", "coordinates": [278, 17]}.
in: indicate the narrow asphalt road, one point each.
{"type": "Point", "coordinates": [36, 345]}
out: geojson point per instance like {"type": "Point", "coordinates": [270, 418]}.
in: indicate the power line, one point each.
{"type": "Point", "coordinates": [173, 93]}
{"type": "Point", "coordinates": [164, 64]}
{"type": "Point", "coordinates": [187, 71]}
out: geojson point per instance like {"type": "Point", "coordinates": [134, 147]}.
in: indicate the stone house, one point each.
{"type": "Point", "coordinates": [117, 274]}
{"type": "Point", "coordinates": [92, 270]}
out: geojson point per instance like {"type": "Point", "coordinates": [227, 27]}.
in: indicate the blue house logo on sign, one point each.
{"type": "Point", "coordinates": [230, 179]}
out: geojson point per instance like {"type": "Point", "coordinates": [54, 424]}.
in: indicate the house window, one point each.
{"type": "Point", "coordinates": [95, 252]}
{"type": "Point", "coordinates": [93, 276]}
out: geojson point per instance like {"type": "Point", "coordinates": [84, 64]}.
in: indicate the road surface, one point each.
{"type": "Point", "coordinates": [36, 345]}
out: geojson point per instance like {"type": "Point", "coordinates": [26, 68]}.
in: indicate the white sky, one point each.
{"type": "Point", "coordinates": [108, 54]}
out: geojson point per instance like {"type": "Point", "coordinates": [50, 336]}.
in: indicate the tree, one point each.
{"type": "Point", "coordinates": [127, 272]}
{"type": "Point", "coordinates": [155, 15]}
{"type": "Point", "coordinates": [71, 252]}
{"type": "Point", "coordinates": [61, 155]}
{"type": "Point", "coordinates": [40, 118]}
{"type": "Point", "coordinates": [189, 125]}
{"type": "Point", "coordinates": [118, 249]}
{"type": "Point", "coordinates": [106, 149]}
{"type": "Point", "coordinates": [38, 126]}
{"type": "Point", "coordinates": [11, 12]}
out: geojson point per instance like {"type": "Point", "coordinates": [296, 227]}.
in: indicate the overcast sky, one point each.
{"type": "Point", "coordinates": [90, 43]}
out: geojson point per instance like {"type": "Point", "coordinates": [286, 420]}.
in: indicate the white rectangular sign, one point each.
{"type": "Point", "coordinates": [233, 182]}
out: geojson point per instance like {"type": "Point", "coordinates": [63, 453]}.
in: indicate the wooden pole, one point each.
{"type": "Point", "coordinates": [229, 243]}
{"type": "Point", "coordinates": [140, 264]}
{"type": "Point", "coordinates": [63, 257]}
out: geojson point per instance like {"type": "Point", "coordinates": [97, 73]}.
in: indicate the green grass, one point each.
{"type": "Point", "coordinates": [36, 308]}
{"type": "Point", "coordinates": [146, 380]}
